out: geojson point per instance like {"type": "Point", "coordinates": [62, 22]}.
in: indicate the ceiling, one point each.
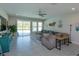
{"type": "Point", "coordinates": [31, 9]}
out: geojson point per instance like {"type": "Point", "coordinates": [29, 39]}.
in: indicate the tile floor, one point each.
{"type": "Point", "coordinates": [31, 46]}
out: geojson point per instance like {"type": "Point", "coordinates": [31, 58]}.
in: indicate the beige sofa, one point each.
{"type": "Point", "coordinates": [48, 40]}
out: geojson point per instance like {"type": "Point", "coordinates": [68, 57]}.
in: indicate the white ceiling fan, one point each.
{"type": "Point", "coordinates": [41, 12]}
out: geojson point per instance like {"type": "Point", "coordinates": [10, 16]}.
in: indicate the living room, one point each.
{"type": "Point", "coordinates": [34, 30]}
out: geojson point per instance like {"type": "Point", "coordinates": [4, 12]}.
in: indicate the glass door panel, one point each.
{"type": "Point", "coordinates": [34, 26]}
{"type": "Point", "coordinates": [39, 26]}
{"type": "Point", "coordinates": [23, 27]}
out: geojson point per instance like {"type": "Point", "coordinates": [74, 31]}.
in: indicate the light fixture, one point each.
{"type": "Point", "coordinates": [73, 9]}
{"type": "Point", "coordinates": [41, 13]}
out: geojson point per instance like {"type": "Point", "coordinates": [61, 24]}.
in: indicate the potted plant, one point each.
{"type": "Point", "coordinates": [13, 29]}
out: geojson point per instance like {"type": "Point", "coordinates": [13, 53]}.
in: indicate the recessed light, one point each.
{"type": "Point", "coordinates": [73, 9]}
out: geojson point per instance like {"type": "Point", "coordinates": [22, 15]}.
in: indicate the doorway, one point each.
{"type": "Point", "coordinates": [23, 28]}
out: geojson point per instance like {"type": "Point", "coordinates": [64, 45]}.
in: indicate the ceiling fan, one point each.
{"type": "Point", "coordinates": [41, 12]}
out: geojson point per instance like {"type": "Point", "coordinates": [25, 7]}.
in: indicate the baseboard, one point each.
{"type": "Point", "coordinates": [75, 42]}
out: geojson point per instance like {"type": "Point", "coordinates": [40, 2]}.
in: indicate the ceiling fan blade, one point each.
{"type": "Point", "coordinates": [41, 13]}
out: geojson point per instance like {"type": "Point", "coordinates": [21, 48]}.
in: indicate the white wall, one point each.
{"type": "Point", "coordinates": [4, 14]}
{"type": "Point", "coordinates": [67, 20]}
{"type": "Point", "coordinates": [12, 20]}
{"type": "Point", "coordinates": [56, 28]}
{"type": "Point", "coordinates": [74, 20]}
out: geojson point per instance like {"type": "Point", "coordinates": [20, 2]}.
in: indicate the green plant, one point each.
{"type": "Point", "coordinates": [13, 28]}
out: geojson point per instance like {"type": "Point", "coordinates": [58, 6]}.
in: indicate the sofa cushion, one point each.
{"type": "Point", "coordinates": [45, 34]}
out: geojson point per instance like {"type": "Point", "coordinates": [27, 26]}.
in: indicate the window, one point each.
{"type": "Point", "coordinates": [34, 26]}
{"type": "Point", "coordinates": [23, 27]}
{"type": "Point", "coordinates": [39, 26]}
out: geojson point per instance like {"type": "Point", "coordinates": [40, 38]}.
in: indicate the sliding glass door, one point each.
{"type": "Point", "coordinates": [40, 26]}
{"type": "Point", "coordinates": [23, 27]}
{"type": "Point", "coordinates": [34, 26]}
{"type": "Point", "coordinates": [26, 27]}
{"type": "Point", "coordinates": [37, 26]}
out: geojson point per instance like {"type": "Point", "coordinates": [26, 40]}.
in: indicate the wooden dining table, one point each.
{"type": "Point", "coordinates": [61, 37]}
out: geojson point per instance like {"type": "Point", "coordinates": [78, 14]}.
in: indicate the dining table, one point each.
{"type": "Point", "coordinates": [61, 37]}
